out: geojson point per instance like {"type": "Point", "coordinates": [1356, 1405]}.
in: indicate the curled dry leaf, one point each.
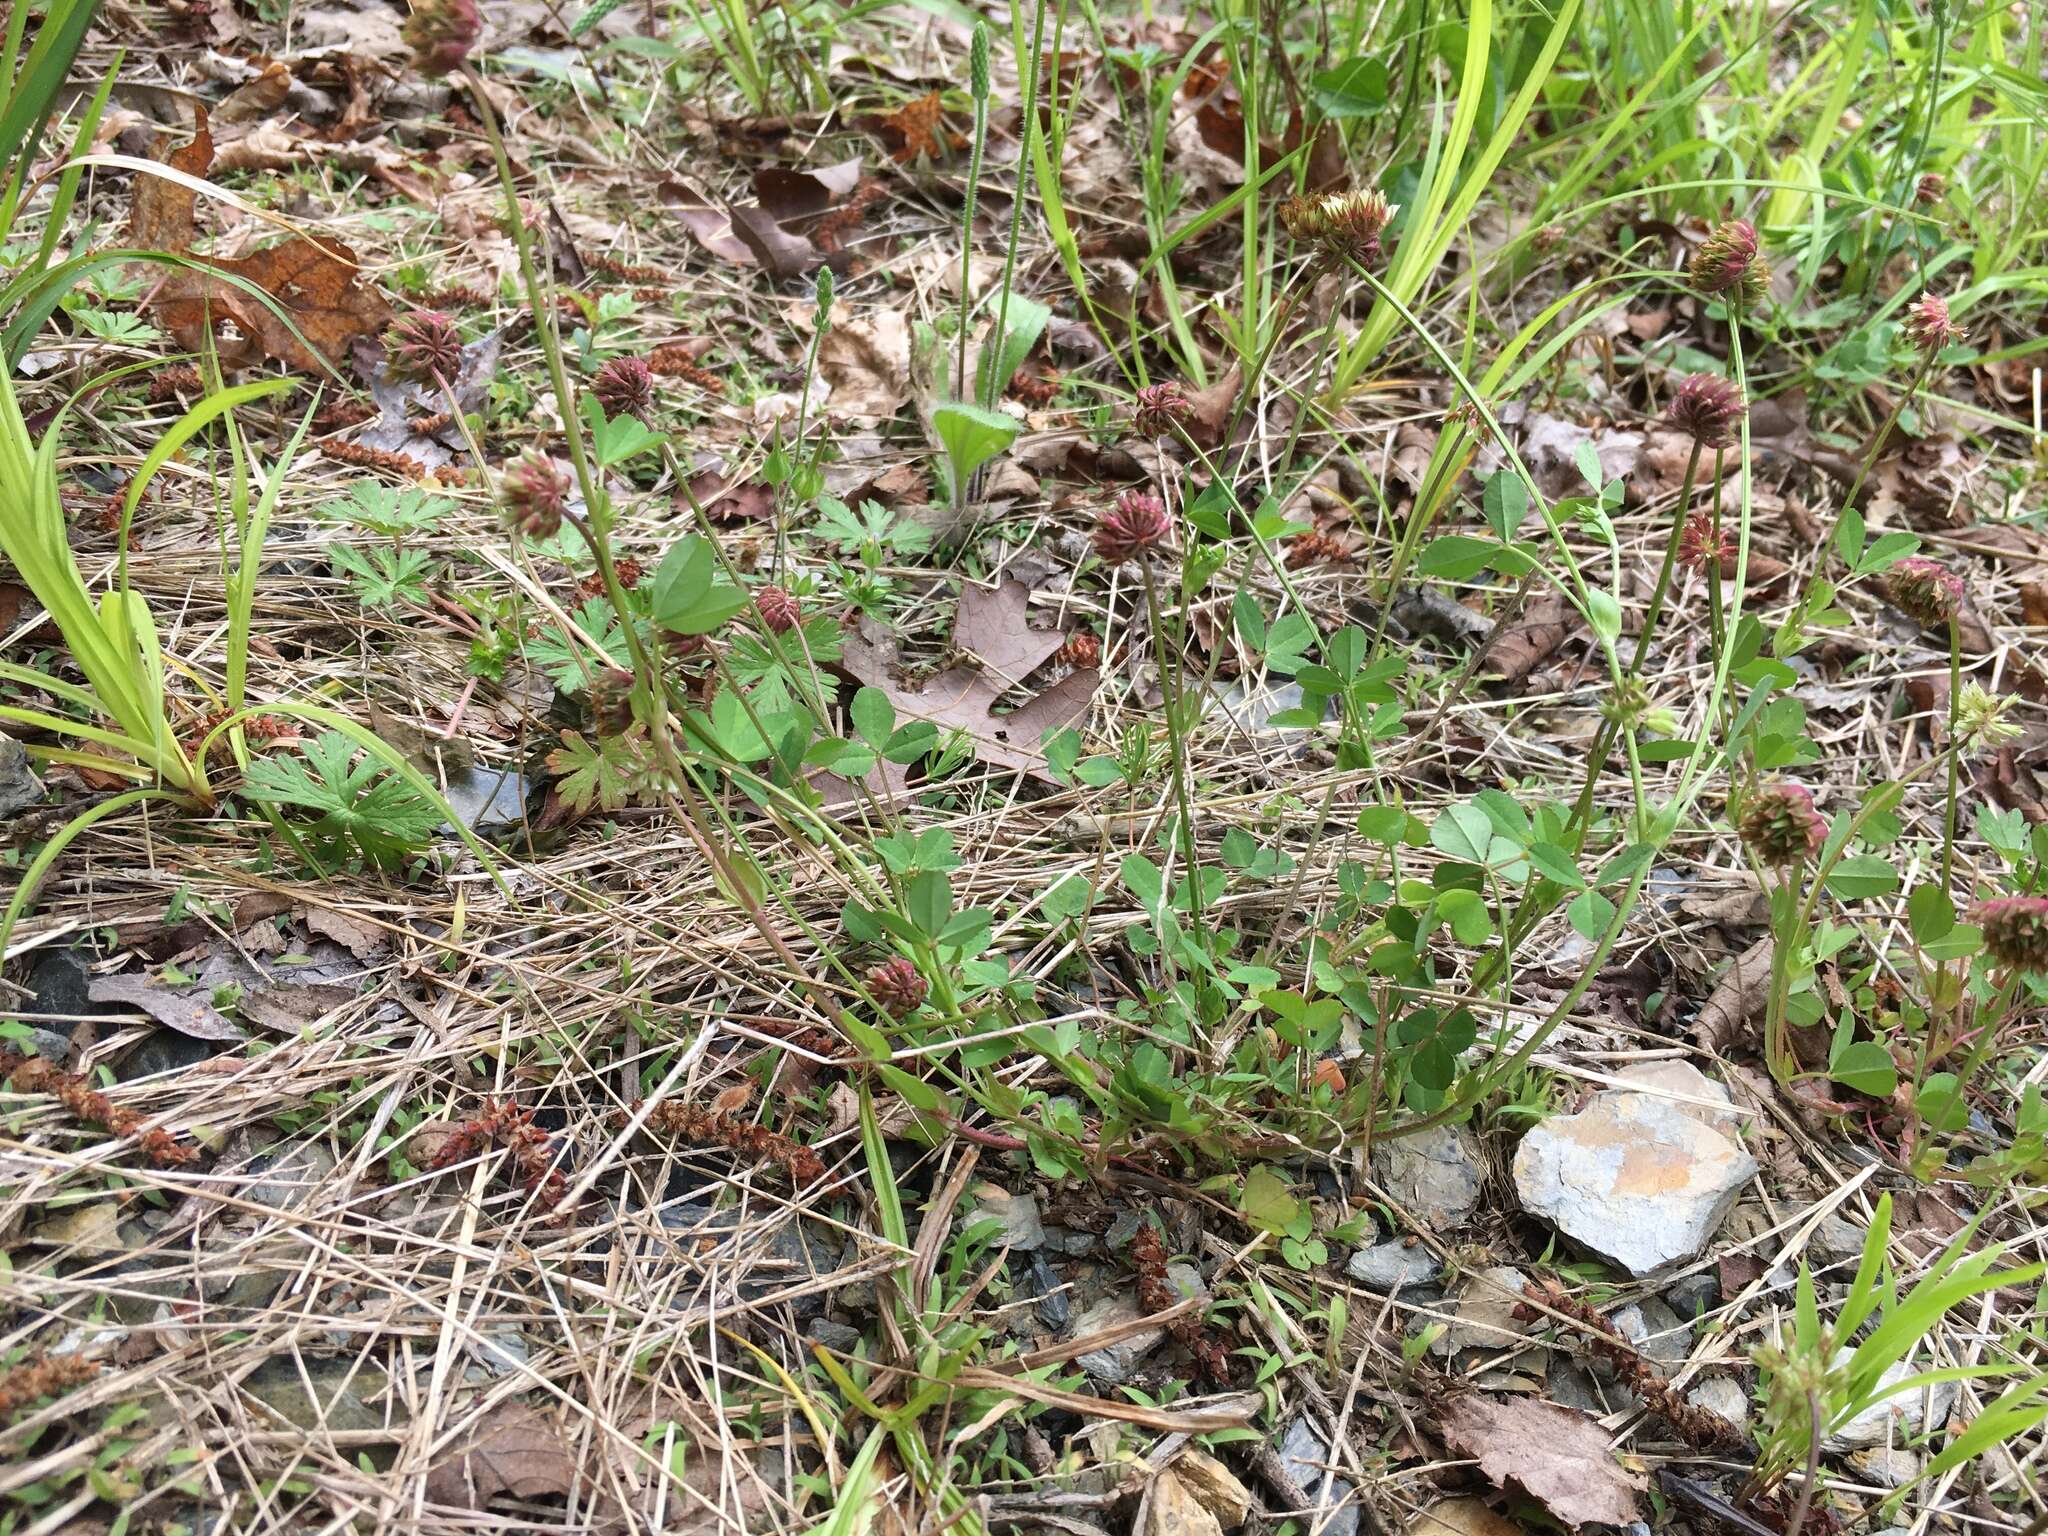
{"type": "Point", "coordinates": [317, 304]}
{"type": "Point", "coordinates": [1737, 999]}
{"type": "Point", "coordinates": [1556, 1455]}
{"type": "Point", "coordinates": [517, 1452]}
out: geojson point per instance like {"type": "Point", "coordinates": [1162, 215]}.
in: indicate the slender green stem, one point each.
{"type": "Point", "coordinates": [1029, 130]}
{"type": "Point", "coordinates": [1657, 594]}
{"type": "Point", "coordinates": [967, 246]}
{"type": "Point", "coordinates": [1955, 696]}
{"type": "Point", "coordinates": [1169, 680]}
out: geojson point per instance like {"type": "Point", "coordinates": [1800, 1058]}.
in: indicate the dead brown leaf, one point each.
{"type": "Point", "coordinates": [992, 625]}
{"type": "Point", "coordinates": [317, 305]}
{"type": "Point", "coordinates": [866, 361]}
{"type": "Point", "coordinates": [362, 939]}
{"type": "Point", "coordinates": [917, 128]}
{"type": "Point", "coordinates": [190, 1015]}
{"type": "Point", "coordinates": [774, 249]}
{"type": "Point", "coordinates": [1523, 646]}
{"type": "Point", "coordinates": [1558, 1456]}
{"type": "Point", "coordinates": [1737, 999]}
{"type": "Point", "coordinates": [789, 195]}
{"type": "Point", "coordinates": [517, 1452]}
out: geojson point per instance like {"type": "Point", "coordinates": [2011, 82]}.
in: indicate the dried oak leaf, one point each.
{"type": "Point", "coordinates": [314, 283]}
{"type": "Point", "coordinates": [964, 697]}
{"type": "Point", "coordinates": [918, 127]}
{"type": "Point", "coordinates": [1557, 1455]}
{"type": "Point", "coordinates": [1737, 999]}
{"type": "Point", "coordinates": [1521, 648]}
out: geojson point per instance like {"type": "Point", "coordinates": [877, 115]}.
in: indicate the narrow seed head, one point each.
{"type": "Point", "coordinates": [977, 63]}
{"type": "Point", "coordinates": [778, 610]}
{"type": "Point", "coordinates": [1160, 409]}
{"type": "Point", "coordinates": [624, 386]}
{"type": "Point", "coordinates": [897, 987]}
{"type": "Point", "coordinates": [534, 492]}
{"type": "Point", "coordinates": [441, 33]}
{"type": "Point", "coordinates": [1134, 525]}
{"type": "Point", "coordinates": [611, 702]}
{"type": "Point", "coordinates": [1781, 825]}
{"type": "Point", "coordinates": [1928, 326]}
{"type": "Point", "coordinates": [2015, 931]}
{"type": "Point", "coordinates": [1729, 262]}
{"type": "Point", "coordinates": [1707, 408]}
{"type": "Point", "coordinates": [423, 348]}
{"type": "Point", "coordinates": [822, 297]}
{"type": "Point", "coordinates": [1925, 591]}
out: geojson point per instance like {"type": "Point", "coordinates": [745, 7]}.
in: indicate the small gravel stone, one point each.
{"type": "Point", "coordinates": [1305, 1454]}
{"type": "Point", "coordinates": [1114, 1363]}
{"type": "Point", "coordinates": [1721, 1396]}
{"type": "Point", "coordinates": [1018, 1216]}
{"type": "Point", "coordinates": [1395, 1269]}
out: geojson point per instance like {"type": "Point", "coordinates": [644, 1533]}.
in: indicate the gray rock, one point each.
{"type": "Point", "coordinates": [1483, 1308]}
{"type": "Point", "coordinates": [1573, 1386]}
{"type": "Point", "coordinates": [1123, 1228]}
{"type": "Point", "coordinates": [1018, 1217]}
{"type": "Point", "coordinates": [1721, 1396]}
{"type": "Point", "coordinates": [490, 801]}
{"type": "Point", "coordinates": [46, 1043]}
{"type": "Point", "coordinates": [319, 1394]}
{"type": "Point", "coordinates": [1886, 1466]}
{"type": "Point", "coordinates": [19, 789]}
{"type": "Point", "coordinates": [837, 1337]}
{"type": "Point", "coordinates": [793, 1252]}
{"type": "Point", "coordinates": [1396, 1269]}
{"type": "Point", "coordinates": [1186, 1280]}
{"type": "Point", "coordinates": [1069, 1241]}
{"type": "Point", "coordinates": [1688, 1090]}
{"type": "Point", "coordinates": [1632, 1179]}
{"type": "Point", "coordinates": [1306, 1454]}
{"type": "Point", "coordinates": [1656, 1332]}
{"type": "Point", "coordinates": [502, 1353]}
{"type": "Point", "coordinates": [1055, 1305]}
{"type": "Point", "coordinates": [283, 1177]}
{"type": "Point", "coordinates": [1837, 1240]}
{"type": "Point", "coordinates": [1434, 1174]}
{"type": "Point", "coordinates": [1695, 1295]}
{"type": "Point", "coordinates": [1896, 1420]}
{"type": "Point", "coordinates": [1114, 1363]}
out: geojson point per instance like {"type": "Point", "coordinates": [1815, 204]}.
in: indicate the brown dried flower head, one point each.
{"type": "Point", "coordinates": [1135, 524]}
{"type": "Point", "coordinates": [897, 987]}
{"type": "Point", "coordinates": [1160, 409]}
{"type": "Point", "coordinates": [611, 702]}
{"type": "Point", "coordinates": [1781, 825]}
{"type": "Point", "coordinates": [1932, 188]}
{"type": "Point", "coordinates": [1341, 225]}
{"type": "Point", "coordinates": [2015, 931]}
{"type": "Point", "coordinates": [1729, 262]}
{"type": "Point", "coordinates": [441, 33]}
{"type": "Point", "coordinates": [534, 492]}
{"type": "Point", "coordinates": [1707, 408]}
{"type": "Point", "coordinates": [1925, 591]}
{"type": "Point", "coordinates": [423, 348]}
{"type": "Point", "coordinates": [1928, 326]}
{"type": "Point", "coordinates": [778, 609]}
{"type": "Point", "coordinates": [625, 387]}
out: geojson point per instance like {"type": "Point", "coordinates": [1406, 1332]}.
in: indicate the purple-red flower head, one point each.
{"type": "Point", "coordinates": [441, 33]}
{"type": "Point", "coordinates": [1928, 326]}
{"type": "Point", "coordinates": [625, 387]}
{"type": "Point", "coordinates": [1160, 409]}
{"type": "Point", "coordinates": [423, 348]}
{"type": "Point", "coordinates": [1730, 262]}
{"type": "Point", "coordinates": [1925, 591]}
{"type": "Point", "coordinates": [778, 610]}
{"type": "Point", "coordinates": [897, 987]}
{"type": "Point", "coordinates": [1135, 525]}
{"type": "Point", "coordinates": [1781, 825]}
{"type": "Point", "coordinates": [1707, 408]}
{"type": "Point", "coordinates": [534, 492]}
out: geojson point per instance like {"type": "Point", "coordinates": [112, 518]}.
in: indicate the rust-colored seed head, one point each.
{"type": "Point", "coordinates": [1925, 591]}
{"type": "Point", "coordinates": [423, 348]}
{"type": "Point", "coordinates": [1781, 825]}
{"type": "Point", "coordinates": [778, 610]}
{"type": "Point", "coordinates": [2015, 931]}
{"type": "Point", "coordinates": [1082, 649]}
{"type": "Point", "coordinates": [611, 702]}
{"type": "Point", "coordinates": [896, 987]}
{"type": "Point", "coordinates": [1704, 542]}
{"type": "Point", "coordinates": [1160, 409]}
{"type": "Point", "coordinates": [1135, 524]}
{"type": "Point", "coordinates": [1928, 326]}
{"type": "Point", "coordinates": [1707, 409]}
{"type": "Point", "coordinates": [625, 387]}
{"type": "Point", "coordinates": [441, 33]}
{"type": "Point", "coordinates": [1729, 262]}
{"type": "Point", "coordinates": [535, 495]}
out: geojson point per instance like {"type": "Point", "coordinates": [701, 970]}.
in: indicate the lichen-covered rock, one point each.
{"type": "Point", "coordinates": [1433, 1175]}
